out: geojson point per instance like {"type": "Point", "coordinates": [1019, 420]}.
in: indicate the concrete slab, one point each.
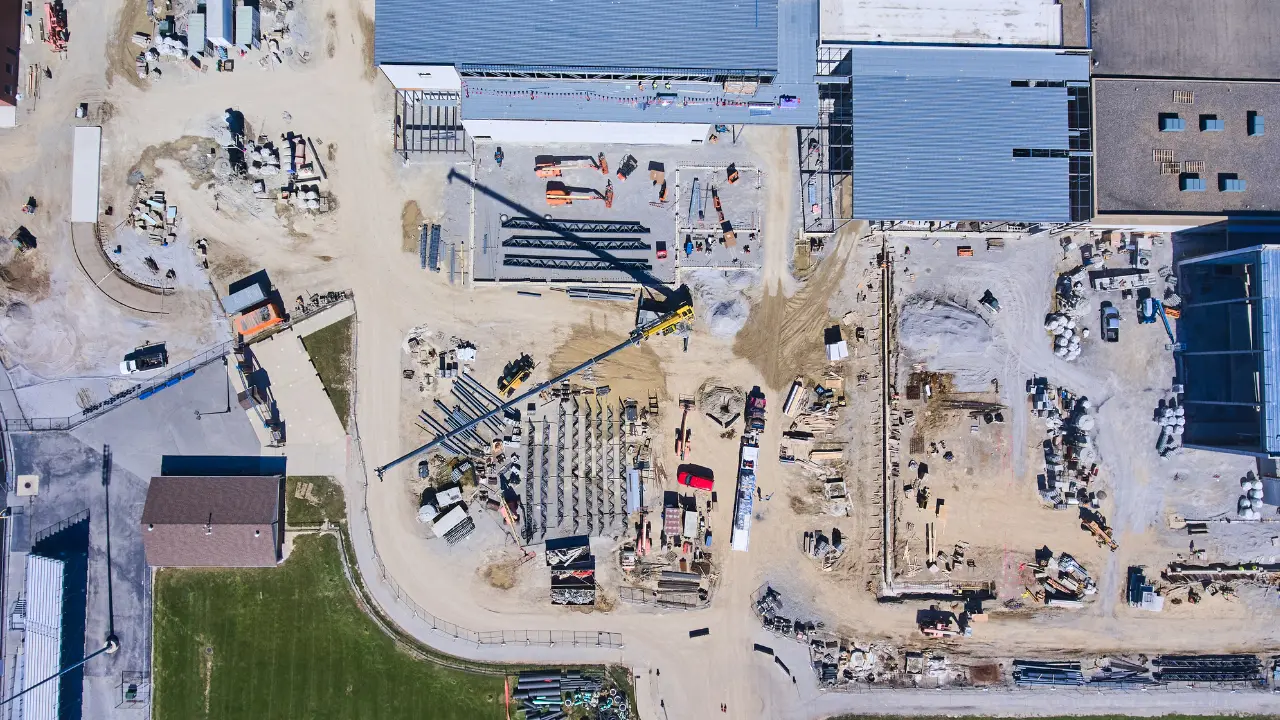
{"type": "Point", "coordinates": [325, 317]}
{"type": "Point", "coordinates": [315, 442]}
{"type": "Point", "coordinates": [958, 22]}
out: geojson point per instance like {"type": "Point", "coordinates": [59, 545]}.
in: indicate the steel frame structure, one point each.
{"type": "Point", "coordinates": [829, 169]}
{"type": "Point", "coordinates": [544, 242]}
{"type": "Point", "coordinates": [430, 122]}
{"type": "Point", "coordinates": [574, 226]}
{"type": "Point", "coordinates": [568, 263]}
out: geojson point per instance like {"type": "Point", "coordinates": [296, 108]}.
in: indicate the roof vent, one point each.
{"type": "Point", "coordinates": [150, 527]}
{"type": "Point", "coordinates": [257, 533]}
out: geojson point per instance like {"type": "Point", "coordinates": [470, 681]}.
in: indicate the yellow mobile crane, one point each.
{"type": "Point", "coordinates": [677, 308]}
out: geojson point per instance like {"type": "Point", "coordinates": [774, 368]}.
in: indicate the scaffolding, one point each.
{"type": "Point", "coordinates": [826, 150]}
{"type": "Point", "coordinates": [429, 122]}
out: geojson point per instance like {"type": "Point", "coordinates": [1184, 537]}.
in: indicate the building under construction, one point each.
{"type": "Point", "coordinates": [542, 71]}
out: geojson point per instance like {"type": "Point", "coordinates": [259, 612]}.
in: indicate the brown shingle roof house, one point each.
{"type": "Point", "coordinates": [214, 521]}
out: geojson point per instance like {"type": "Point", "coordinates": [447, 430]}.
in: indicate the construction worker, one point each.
{"type": "Point", "coordinates": [498, 155]}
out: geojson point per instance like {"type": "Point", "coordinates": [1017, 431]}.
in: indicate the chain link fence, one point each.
{"type": "Point", "coordinates": [172, 376]}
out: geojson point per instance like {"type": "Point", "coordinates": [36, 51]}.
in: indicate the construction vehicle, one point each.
{"type": "Point", "coordinates": [55, 21]}
{"type": "Point", "coordinates": [628, 166]}
{"type": "Point", "coordinates": [1100, 534]}
{"type": "Point", "coordinates": [684, 434]}
{"type": "Point", "coordinates": [755, 410]}
{"type": "Point", "coordinates": [560, 194]}
{"type": "Point", "coordinates": [251, 322]}
{"type": "Point", "coordinates": [677, 308]}
{"type": "Point", "coordinates": [514, 375]}
{"type": "Point", "coordinates": [553, 166]}
{"type": "Point", "coordinates": [526, 553]}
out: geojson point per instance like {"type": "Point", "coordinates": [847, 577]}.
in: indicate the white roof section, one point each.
{"type": "Point", "coordinates": [43, 648]}
{"type": "Point", "coordinates": [86, 167]}
{"type": "Point", "coordinates": [8, 116]}
{"type": "Point", "coordinates": [690, 524]}
{"type": "Point", "coordinates": [952, 22]}
{"type": "Point", "coordinates": [449, 521]}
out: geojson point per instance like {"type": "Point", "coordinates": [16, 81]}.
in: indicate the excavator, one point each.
{"type": "Point", "coordinates": [552, 166]}
{"type": "Point", "coordinates": [672, 311]}
{"type": "Point", "coordinates": [560, 194]}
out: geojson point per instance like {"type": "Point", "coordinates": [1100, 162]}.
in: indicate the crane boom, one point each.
{"type": "Point", "coordinates": [662, 326]}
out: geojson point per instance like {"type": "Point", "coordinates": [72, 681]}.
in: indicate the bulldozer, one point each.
{"type": "Point", "coordinates": [560, 194]}
{"type": "Point", "coordinates": [551, 166]}
{"type": "Point", "coordinates": [514, 375]}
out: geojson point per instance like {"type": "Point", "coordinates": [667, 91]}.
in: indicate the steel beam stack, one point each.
{"type": "Point", "coordinates": [576, 460]}
{"type": "Point", "coordinates": [560, 448]}
{"type": "Point", "coordinates": [530, 456]}
{"type": "Point", "coordinates": [544, 476]}
{"type": "Point", "coordinates": [588, 464]}
{"type": "Point", "coordinates": [1208, 668]}
{"type": "Point", "coordinates": [574, 226]}
{"type": "Point", "coordinates": [611, 463]}
{"type": "Point", "coordinates": [551, 262]}
{"type": "Point", "coordinates": [552, 242]}
{"type": "Point", "coordinates": [1047, 672]}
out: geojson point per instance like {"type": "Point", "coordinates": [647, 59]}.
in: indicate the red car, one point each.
{"type": "Point", "coordinates": [695, 476]}
{"type": "Point", "coordinates": [662, 250]}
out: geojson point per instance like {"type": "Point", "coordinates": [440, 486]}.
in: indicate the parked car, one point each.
{"type": "Point", "coordinates": [695, 476]}
{"type": "Point", "coordinates": [1110, 322]}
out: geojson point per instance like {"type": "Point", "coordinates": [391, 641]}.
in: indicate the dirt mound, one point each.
{"type": "Point", "coordinates": [501, 575]}
{"type": "Point", "coordinates": [949, 338]}
{"type": "Point", "coordinates": [631, 373]}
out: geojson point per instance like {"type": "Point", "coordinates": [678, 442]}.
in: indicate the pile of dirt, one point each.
{"type": "Point", "coordinates": [633, 372]}
{"type": "Point", "coordinates": [723, 306]}
{"type": "Point", "coordinates": [949, 338]}
{"type": "Point", "coordinates": [410, 226]}
{"type": "Point", "coordinates": [501, 575]}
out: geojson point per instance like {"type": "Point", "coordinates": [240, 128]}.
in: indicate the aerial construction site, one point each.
{"type": "Point", "coordinates": [816, 357]}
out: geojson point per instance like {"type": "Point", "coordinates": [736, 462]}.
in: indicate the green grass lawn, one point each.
{"type": "Point", "coordinates": [328, 503]}
{"type": "Point", "coordinates": [330, 350]}
{"type": "Point", "coordinates": [289, 642]}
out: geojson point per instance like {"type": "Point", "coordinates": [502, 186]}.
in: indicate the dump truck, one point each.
{"type": "Point", "coordinates": [755, 410]}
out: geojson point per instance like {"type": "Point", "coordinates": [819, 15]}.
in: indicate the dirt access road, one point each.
{"type": "Point", "coordinates": [338, 99]}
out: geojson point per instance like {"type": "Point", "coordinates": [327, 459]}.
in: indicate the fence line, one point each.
{"type": "Point", "coordinates": [541, 638]}
{"type": "Point", "coordinates": [143, 390]}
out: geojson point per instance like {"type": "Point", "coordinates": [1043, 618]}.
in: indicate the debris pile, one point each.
{"type": "Point", "coordinates": [1120, 673]}
{"type": "Point", "coordinates": [573, 570]}
{"type": "Point", "coordinates": [1172, 419]}
{"type": "Point", "coordinates": [153, 216]}
{"type": "Point", "coordinates": [827, 550]}
{"type": "Point", "coordinates": [1066, 337]}
{"type": "Point", "coordinates": [769, 608]}
{"type": "Point", "coordinates": [1068, 450]}
{"type": "Point", "coordinates": [554, 695]}
{"type": "Point", "coordinates": [1063, 581]}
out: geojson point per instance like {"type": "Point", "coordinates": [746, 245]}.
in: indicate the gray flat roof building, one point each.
{"type": "Point", "coordinates": [1233, 39]}
{"type": "Point", "coordinates": [970, 133]}
{"type": "Point", "coordinates": [1144, 161]}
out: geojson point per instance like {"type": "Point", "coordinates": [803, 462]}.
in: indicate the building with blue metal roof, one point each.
{"type": "Point", "coordinates": [1229, 333]}
{"type": "Point", "coordinates": [970, 133]}
{"type": "Point", "coordinates": [552, 71]}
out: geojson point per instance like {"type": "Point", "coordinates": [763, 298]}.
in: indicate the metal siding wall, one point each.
{"type": "Point", "coordinates": [934, 130]}
{"type": "Point", "coordinates": [675, 33]}
{"type": "Point", "coordinates": [43, 646]}
{"type": "Point", "coordinates": [1269, 287]}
